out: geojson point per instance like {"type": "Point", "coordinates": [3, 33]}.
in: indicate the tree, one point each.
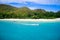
{"type": "Point", "coordinates": [58, 14]}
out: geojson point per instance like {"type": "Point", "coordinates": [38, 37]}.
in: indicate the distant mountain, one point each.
{"type": "Point", "coordinates": [10, 10]}
{"type": "Point", "coordinates": [5, 7]}
{"type": "Point", "coordinates": [40, 10]}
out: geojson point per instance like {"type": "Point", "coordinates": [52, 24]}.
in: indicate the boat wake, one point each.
{"type": "Point", "coordinates": [32, 24]}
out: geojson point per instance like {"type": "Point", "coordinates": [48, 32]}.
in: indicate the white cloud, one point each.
{"type": "Point", "coordinates": [45, 1]}
{"type": "Point", "coordinates": [36, 1]}
{"type": "Point", "coordinates": [32, 8]}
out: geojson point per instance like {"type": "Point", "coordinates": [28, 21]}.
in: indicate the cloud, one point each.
{"type": "Point", "coordinates": [35, 1]}
{"type": "Point", "coordinates": [45, 1]}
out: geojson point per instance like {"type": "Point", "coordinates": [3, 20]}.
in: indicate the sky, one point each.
{"type": "Point", "coordinates": [48, 5]}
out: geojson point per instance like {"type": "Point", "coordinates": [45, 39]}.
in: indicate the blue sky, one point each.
{"type": "Point", "coordinates": [49, 5]}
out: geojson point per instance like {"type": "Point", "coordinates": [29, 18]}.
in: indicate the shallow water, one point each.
{"type": "Point", "coordinates": [29, 30]}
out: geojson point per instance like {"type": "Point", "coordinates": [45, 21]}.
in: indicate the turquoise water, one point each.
{"type": "Point", "coordinates": [29, 30]}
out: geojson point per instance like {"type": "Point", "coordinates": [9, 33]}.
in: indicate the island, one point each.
{"type": "Point", "coordinates": [11, 12]}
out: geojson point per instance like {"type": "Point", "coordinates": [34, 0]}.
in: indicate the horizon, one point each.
{"type": "Point", "coordinates": [48, 5]}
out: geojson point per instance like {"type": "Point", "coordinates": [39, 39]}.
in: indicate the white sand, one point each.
{"type": "Point", "coordinates": [34, 20]}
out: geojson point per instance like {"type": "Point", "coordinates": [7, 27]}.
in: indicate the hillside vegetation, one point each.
{"type": "Point", "coordinates": [7, 11]}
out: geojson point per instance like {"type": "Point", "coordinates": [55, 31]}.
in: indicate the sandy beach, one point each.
{"type": "Point", "coordinates": [34, 20]}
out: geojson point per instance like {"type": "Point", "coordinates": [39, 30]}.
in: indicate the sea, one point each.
{"type": "Point", "coordinates": [20, 30]}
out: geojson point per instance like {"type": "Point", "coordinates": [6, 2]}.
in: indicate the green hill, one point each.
{"type": "Point", "coordinates": [7, 11]}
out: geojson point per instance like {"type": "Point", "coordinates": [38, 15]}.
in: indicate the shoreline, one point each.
{"type": "Point", "coordinates": [33, 20]}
